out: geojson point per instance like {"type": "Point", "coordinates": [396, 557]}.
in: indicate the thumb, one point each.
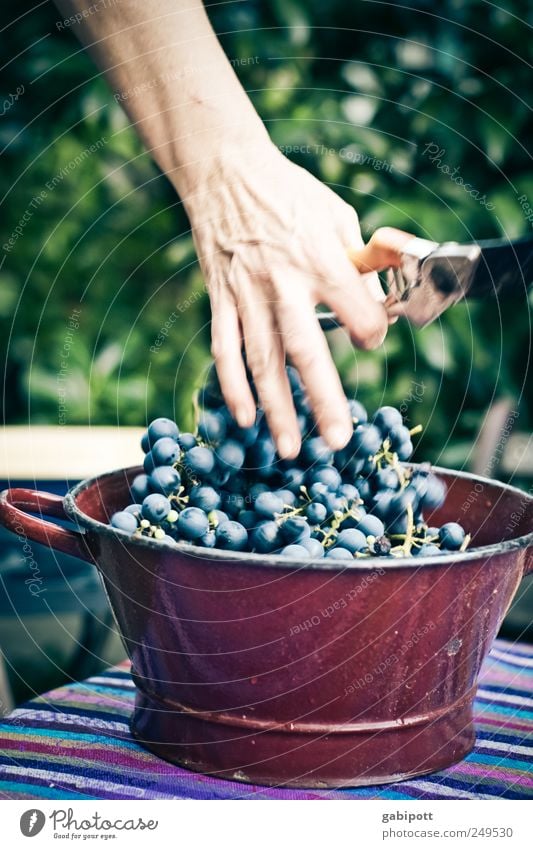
{"type": "Point", "coordinates": [384, 250]}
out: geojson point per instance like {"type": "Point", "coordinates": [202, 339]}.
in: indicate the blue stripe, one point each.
{"type": "Point", "coordinates": [498, 760]}
{"type": "Point", "coordinates": [74, 710]}
{"type": "Point", "coordinates": [118, 742]}
{"type": "Point", "coordinates": [107, 773]}
{"type": "Point", "coordinates": [38, 790]}
{"type": "Point", "coordinates": [510, 691]}
{"type": "Point", "coordinates": [87, 687]}
{"type": "Point", "coordinates": [491, 707]}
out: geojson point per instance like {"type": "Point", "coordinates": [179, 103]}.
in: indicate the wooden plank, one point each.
{"type": "Point", "coordinates": [42, 452]}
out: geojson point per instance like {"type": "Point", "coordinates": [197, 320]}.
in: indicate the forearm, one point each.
{"type": "Point", "coordinates": [172, 77]}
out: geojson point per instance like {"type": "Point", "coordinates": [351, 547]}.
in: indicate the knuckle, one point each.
{"type": "Point", "coordinates": [302, 352]}
{"type": "Point", "coordinates": [217, 349]}
{"type": "Point", "coordinates": [372, 335]}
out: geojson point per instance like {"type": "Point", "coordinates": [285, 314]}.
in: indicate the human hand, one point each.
{"type": "Point", "coordinates": [273, 242]}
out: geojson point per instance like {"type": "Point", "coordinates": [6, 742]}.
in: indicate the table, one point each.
{"type": "Point", "coordinates": [74, 743]}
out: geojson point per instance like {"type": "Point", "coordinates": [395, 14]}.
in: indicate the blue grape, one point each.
{"type": "Point", "coordinates": [339, 554]}
{"type": "Point", "coordinates": [371, 526]}
{"type": "Point", "coordinates": [267, 504]}
{"type": "Point", "coordinates": [313, 546]}
{"type": "Point", "coordinates": [230, 455]}
{"type": "Point", "coordinates": [265, 537]}
{"type": "Point", "coordinates": [199, 460]}
{"type": "Point", "coordinates": [145, 442]}
{"type": "Point", "coordinates": [124, 521]}
{"type": "Point", "coordinates": [287, 496]}
{"type": "Point", "coordinates": [316, 450]}
{"type": "Point", "coordinates": [149, 463]}
{"type": "Point", "coordinates": [434, 495]}
{"type": "Point", "coordinates": [255, 490]}
{"type": "Point", "coordinates": [452, 536]}
{"type": "Point", "coordinates": [295, 552]}
{"type": "Point", "coordinates": [293, 479]}
{"type": "Point", "coordinates": [427, 550]}
{"type": "Point", "coordinates": [218, 516]}
{"type": "Point", "coordinates": [233, 503]}
{"type": "Point", "coordinates": [165, 451]}
{"type": "Point", "coordinates": [293, 529]}
{"type": "Point", "coordinates": [366, 441]}
{"type": "Point", "coordinates": [208, 540]}
{"type": "Point", "coordinates": [156, 508]}
{"type": "Point", "coordinates": [349, 492]}
{"type": "Point", "coordinates": [357, 411]}
{"type": "Point", "coordinates": [364, 489]}
{"type": "Point", "coordinates": [261, 455]}
{"type": "Point", "coordinates": [192, 523]}
{"type": "Point", "coordinates": [212, 426]}
{"type": "Point", "coordinates": [186, 441]}
{"type": "Point", "coordinates": [204, 497]}
{"type": "Point", "coordinates": [381, 546]}
{"type": "Point", "coordinates": [249, 519]}
{"type": "Point", "coordinates": [399, 435]}
{"type": "Point", "coordinates": [352, 540]}
{"type": "Point", "coordinates": [386, 478]}
{"type": "Point", "coordinates": [237, 483]}
{"type": "Point", "coordinates": [231, 536]}
{"type": "Point", "coordinates": [316, 513]}
{"type": "Point", "coordinates": [134, 509]}
{"type": "Point", "coordinates": [405, 450]}
{"type": "Point", "coordinates": [387, 418]}
{"type": "Point", "coordinates": [327, 475]}
{"type": "Point", "coordinates": [247, 436]}
{"type": "Point", "coordinates": [162, 427]}
{"type": "Point", "coordinates": [165, 479]}
{"type": "Point", "coordinates": [140, 487]}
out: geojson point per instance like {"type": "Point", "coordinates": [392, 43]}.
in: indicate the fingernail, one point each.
{"type": "Point", "coordinates": [337, 437]}
{"type": "Point", "coordinates": [243, 417]}
{"type": "Point", "coordinates": [287, 446]}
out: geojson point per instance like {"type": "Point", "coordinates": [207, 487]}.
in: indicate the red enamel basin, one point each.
{"type": "Point", "coordinates": [312, 674]}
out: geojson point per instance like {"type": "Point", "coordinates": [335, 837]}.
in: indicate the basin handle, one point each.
{"type": "Point", "coordinates": [15, 508]}
{"type": "Point", "coordinates": [528, 566]}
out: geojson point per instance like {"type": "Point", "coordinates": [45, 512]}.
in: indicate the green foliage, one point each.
{"type": "Point", "coordinates": [374, 80]}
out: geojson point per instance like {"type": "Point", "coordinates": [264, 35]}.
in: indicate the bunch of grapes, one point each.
{"type": "Point", "coordinates": [225, 487]}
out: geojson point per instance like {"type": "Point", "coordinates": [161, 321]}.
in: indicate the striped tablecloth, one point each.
{"type": "Point", "coordinates": [74, 743]}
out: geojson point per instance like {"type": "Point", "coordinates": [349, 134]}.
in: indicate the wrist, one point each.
{"type": "Point", "coordinates": [221, 162]}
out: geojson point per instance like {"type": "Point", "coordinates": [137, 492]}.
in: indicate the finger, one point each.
{"type": "Point", "coordinates": [226, 348]}
{"type": "Point", "coordinates": [306, 347]}
{"type": "Point", "coordinates": [266, 360]}
{"type": "Point", "coordinates": [384, 250]}
{"type": "Point", "coordinates": [373, 285]}
{"type": "Point", "coordinates": [345, 292]}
